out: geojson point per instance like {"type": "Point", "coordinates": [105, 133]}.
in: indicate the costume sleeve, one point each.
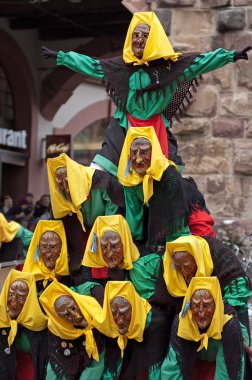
{"type": "Point", "coordinates": [145, 273]}
{"type": "Point", "coordinates": [209, 62]}
{"type": "Point", "coordinates": [170, 368]}
{"type": "Point", "coordinates": [98, 204]}
{"type": "Point", "coordinates": [108, 375]}
{"type": "Point", "coordinates": [95, 370]}
{"type": "Point", "coordinates": [25, 235]}
{"type": "Point", "coordinates": [80, 63]}
{"type": "Point", "coordinates": [237, 293]}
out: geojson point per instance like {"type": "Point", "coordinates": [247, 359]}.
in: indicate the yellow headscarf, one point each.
{"type": "Point", "coordinates": [89, 308]}
{"type": "Point", "coordinates": [195, 246]}
{"type": "Point", "coordinates": [79, 182]}
{"type": "Point", "coordinates": [140, 308]}
{"type": "Point", "coordinates": [157, 46]}
{"type": "Point", "coordinates": [93, 255]}
{"type": "Point", "coordinates": [33, 262]}
{"type": "Point", "coordinates": [31, 315]}
{"type": "Point", "coordinates": [188, 328]}
{"type": "Point", "coordinates": [8, 230]}
{"type": "Point", "coordinates": [128, 177]}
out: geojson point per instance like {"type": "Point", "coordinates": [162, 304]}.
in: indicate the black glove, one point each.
{"type": "Point", "coordinates": [230, 310]}
{"type": "Point", "coordinates": [242, 54]}
{"type": "Point", "coordinates": [47, 53]}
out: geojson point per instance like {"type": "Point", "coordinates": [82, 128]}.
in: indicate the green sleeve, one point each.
{"type": "Point", "coordinates": [98, 204]}
{"type": "Point", "coordinates": [107, 375]}
{"type": "Point", "coordinates": [134, 210]}
{"type": "Point", "coordinates": [145, 273]}
{"type": "Point", "coordinates": [84, 289]}
{"type": "Point", "coordinates": [182, 231]}
{"type": "Point", "coordinates": [209, 62]}
{"type": "Point", "coordinates": [25, 235]}
{"type": "Point", "coordinates": [80, 63]}
{"type": "Point", "coordinates": [95, 370]}
{"type": "Point", "coordinates": [170, 368]}
{"type": "Point", "coordinates": [237, 293]}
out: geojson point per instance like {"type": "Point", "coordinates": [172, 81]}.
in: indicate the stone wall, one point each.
{"type": "Point", "coordinates": [215, 136]}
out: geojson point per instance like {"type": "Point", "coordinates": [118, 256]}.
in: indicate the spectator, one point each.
{"type": "Point", "coordinates": [9, 211]}
{"type": "Point", "coordinates": [42, 208]}
{"type": "Point", "coordinates": [26, 205]}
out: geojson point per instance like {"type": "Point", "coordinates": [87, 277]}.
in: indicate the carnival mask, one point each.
{"type": "Point", "coordinates": [67, 309]}
{"type": "Point", "coordinates": [49, 248]}
{"type": "Point", "coordinates": [140, 155]}
{"type": "Point", "coordinates": [112, 249]}
{"type": "Point", "coordinates": [17, 294]}
{"type": "Point", "coordinates": [185, 264]}
{"type": "Point", "coordinates": [139, 39]}
{"type": "Point", "coordinates": [202, 307]}
{"type": "Point", "coordinates": [122, 312]}
{"type": "Point", "coordinates": [62, 182]}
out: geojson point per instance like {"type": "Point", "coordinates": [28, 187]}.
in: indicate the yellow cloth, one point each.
{"type": "Point", "coordinates": [89, 308]}
{"type": "Point", "coordinates": [157, 45]}
{"type": "Point", "coordinates": [140, 308]}
{"type": "Point", "coordinates": [195, 246]}
{"type": "Point", "coordinates": [8, 230]}
{"type": "Point", "coordinates": [159, 162]}
{"type": "Point", "coordinates": [115, 223]}
{"type": "Point", "coordinates": [188, 328]}
{"type": "Point", "coordinates": [31, 315]}
{"type": "Point", "coordinates": [33, 263]}
{"type": "Point", "coordinates": [79, 182]}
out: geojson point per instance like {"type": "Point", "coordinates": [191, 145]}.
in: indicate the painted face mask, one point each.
{"type": "Point", "coordinates": [121, 310]}
{"type": "Point", "coordinates": [185, 264]}
{"type": "Point", "coordinates": [49, 248]}
{"type": "Point", "coordinates": [17, 294]}
{"type": "Point", "coordinates": [67, 309]}
{"type": "Point", "coordinates": [202, 307]}
{"type": "Point", "coordinates": [139, 39]}
{"type": "Point", "coordinates": [62, 182]}
{"type": "Point", "coordinates": [112, 249]}
{"type": "Point", "coordinates": [140, 155]}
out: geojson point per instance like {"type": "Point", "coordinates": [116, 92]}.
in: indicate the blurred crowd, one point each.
{"type": "Point", "coordinates": [27, 212]}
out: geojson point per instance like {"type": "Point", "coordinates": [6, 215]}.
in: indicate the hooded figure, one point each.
{"type": "Point", "coordinates": [22, 327]}
{"type": "Point", "coordinates": [49, 239]}
{"type": "Point", "coordinates": [204, 332]}
{"type": "Point", "coordinates": [119, 256]}
{"type": "Point", "coordinates": [148, 84]}
{"type": "Point", "coordinates": [78, 195]}
{"type": "Point", "coordinates": [14, 239]}
{"type": "Point", "coordinates": [195, 256]}
{"type": "Point", "coordinates": [75, 350]}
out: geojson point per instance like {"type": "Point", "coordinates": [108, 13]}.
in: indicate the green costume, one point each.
{"type": "Point", "coordinates": [140, 79]}
{"type": "Point", "coordinates": [171, 367]}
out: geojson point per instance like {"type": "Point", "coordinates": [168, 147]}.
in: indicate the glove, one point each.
{"type": "Point", "coordinates": [242, 54]}
{"type": "Point", "coordinates": [47, 53]}
{"type": "Point", "coordinates": [230, 310]}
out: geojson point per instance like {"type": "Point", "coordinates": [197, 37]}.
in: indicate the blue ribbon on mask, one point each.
{"type": "Point", "coordinates": [173, 264]}
{"type": "Point", "coordinates": [127, 168]}
{"type": "Point", "coordinates": [94, 243]}
{"type": "Point", "coordinates": [36, 255]}
{"type": "Point", "coordinates": [185, 309]}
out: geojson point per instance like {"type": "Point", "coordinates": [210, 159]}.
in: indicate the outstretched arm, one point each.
{"type": "Point", "coordinates": [47, 53]}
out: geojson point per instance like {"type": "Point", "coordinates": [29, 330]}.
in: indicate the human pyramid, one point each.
{"type": "Point", "coordinates": [128, 280]}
